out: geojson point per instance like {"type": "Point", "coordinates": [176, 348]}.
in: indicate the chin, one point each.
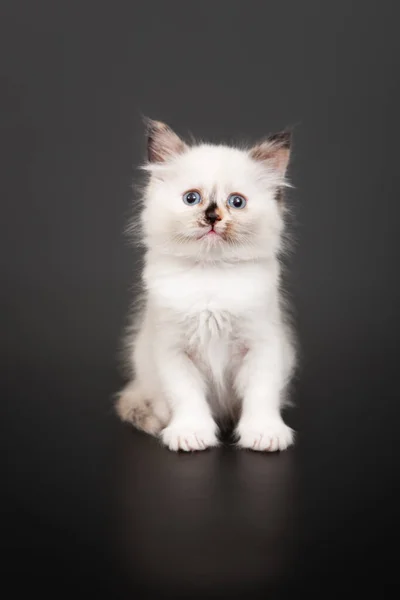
{"type": "Point", "coordinates": [212, 238]}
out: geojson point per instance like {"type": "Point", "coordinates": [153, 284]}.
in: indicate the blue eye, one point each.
{"type": "Point", "coordinates": [236, 201]}
{"type": "Point", "coordinates": [191, 198]}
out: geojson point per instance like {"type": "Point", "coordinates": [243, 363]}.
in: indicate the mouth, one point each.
{"type": "Point", "coordinates": [210, 234]}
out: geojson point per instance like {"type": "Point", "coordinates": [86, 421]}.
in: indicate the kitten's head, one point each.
{"type": "Point", "coordinates": [214, 202]}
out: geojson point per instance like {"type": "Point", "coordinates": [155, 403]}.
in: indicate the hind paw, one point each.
{"type": "Point", "coordinates": [140, 414]}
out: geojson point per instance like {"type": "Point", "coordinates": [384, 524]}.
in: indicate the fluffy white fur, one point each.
{"type": "Point", "coordinates": [211, 340]}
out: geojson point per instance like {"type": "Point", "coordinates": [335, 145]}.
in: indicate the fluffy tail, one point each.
{"type": "Point", "coordinates": [134, 407]}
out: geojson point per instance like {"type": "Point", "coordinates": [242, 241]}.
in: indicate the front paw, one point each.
{"type": "Point", "coordinates": [189, 438]}
{"type": "Point", "coordinates": [268, 437]}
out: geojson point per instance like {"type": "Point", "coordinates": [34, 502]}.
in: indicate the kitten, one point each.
{"type": "Point", "coordinates": [211, 341]}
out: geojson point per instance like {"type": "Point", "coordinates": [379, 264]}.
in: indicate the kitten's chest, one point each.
{"type": "Point", "coordinates": [210, 339]}
{"type": "Point", "coordinates": [208, 310]}
{"type": "Point", "coordinates": [213, 298]}
{"type": "Point", "coordinates": [206, 328]}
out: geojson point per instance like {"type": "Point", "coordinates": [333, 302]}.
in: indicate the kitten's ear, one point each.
{"type": "Point", "coordinates": [162, 142]}
{"type": "Point", "coordinates": [274, 151]}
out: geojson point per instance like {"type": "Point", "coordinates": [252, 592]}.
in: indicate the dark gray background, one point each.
{"type": "Point", "coordinates": [90, 504]}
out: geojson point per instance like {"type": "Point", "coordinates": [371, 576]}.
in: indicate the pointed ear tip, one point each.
{"type": "Point", "coordinates": [146, 120]}
{"type": "Point", "coordinates": [148, 125]}
{"type": "Point", "coordinates": [152, 125]}
{"type": "Point", "coordinates": [283, 138]}
{"type": "Point", "coordinates": [287, 137]}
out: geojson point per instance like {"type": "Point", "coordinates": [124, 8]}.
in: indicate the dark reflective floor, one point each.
{"type": "Point", "coordinates": [91, 503]}
{"type": "Point", "coordinates": [219, 520]}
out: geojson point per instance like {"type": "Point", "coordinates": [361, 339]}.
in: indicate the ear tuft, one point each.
{"type": "Point", "coordinates": [274, 151]}
{"type": "Point", "coordinates": [162, 143]}
{"type": "Point", "coordinates": [282, 138]}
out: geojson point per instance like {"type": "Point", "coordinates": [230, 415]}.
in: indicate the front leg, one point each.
{"type": "Point", "coordinates": [259, 382]}
{"type": "Point", "coordinates": [191, 426]}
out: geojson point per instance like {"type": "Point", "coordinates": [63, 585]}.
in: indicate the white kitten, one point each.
{"type": "Point", "coordinates": [211, 340]}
